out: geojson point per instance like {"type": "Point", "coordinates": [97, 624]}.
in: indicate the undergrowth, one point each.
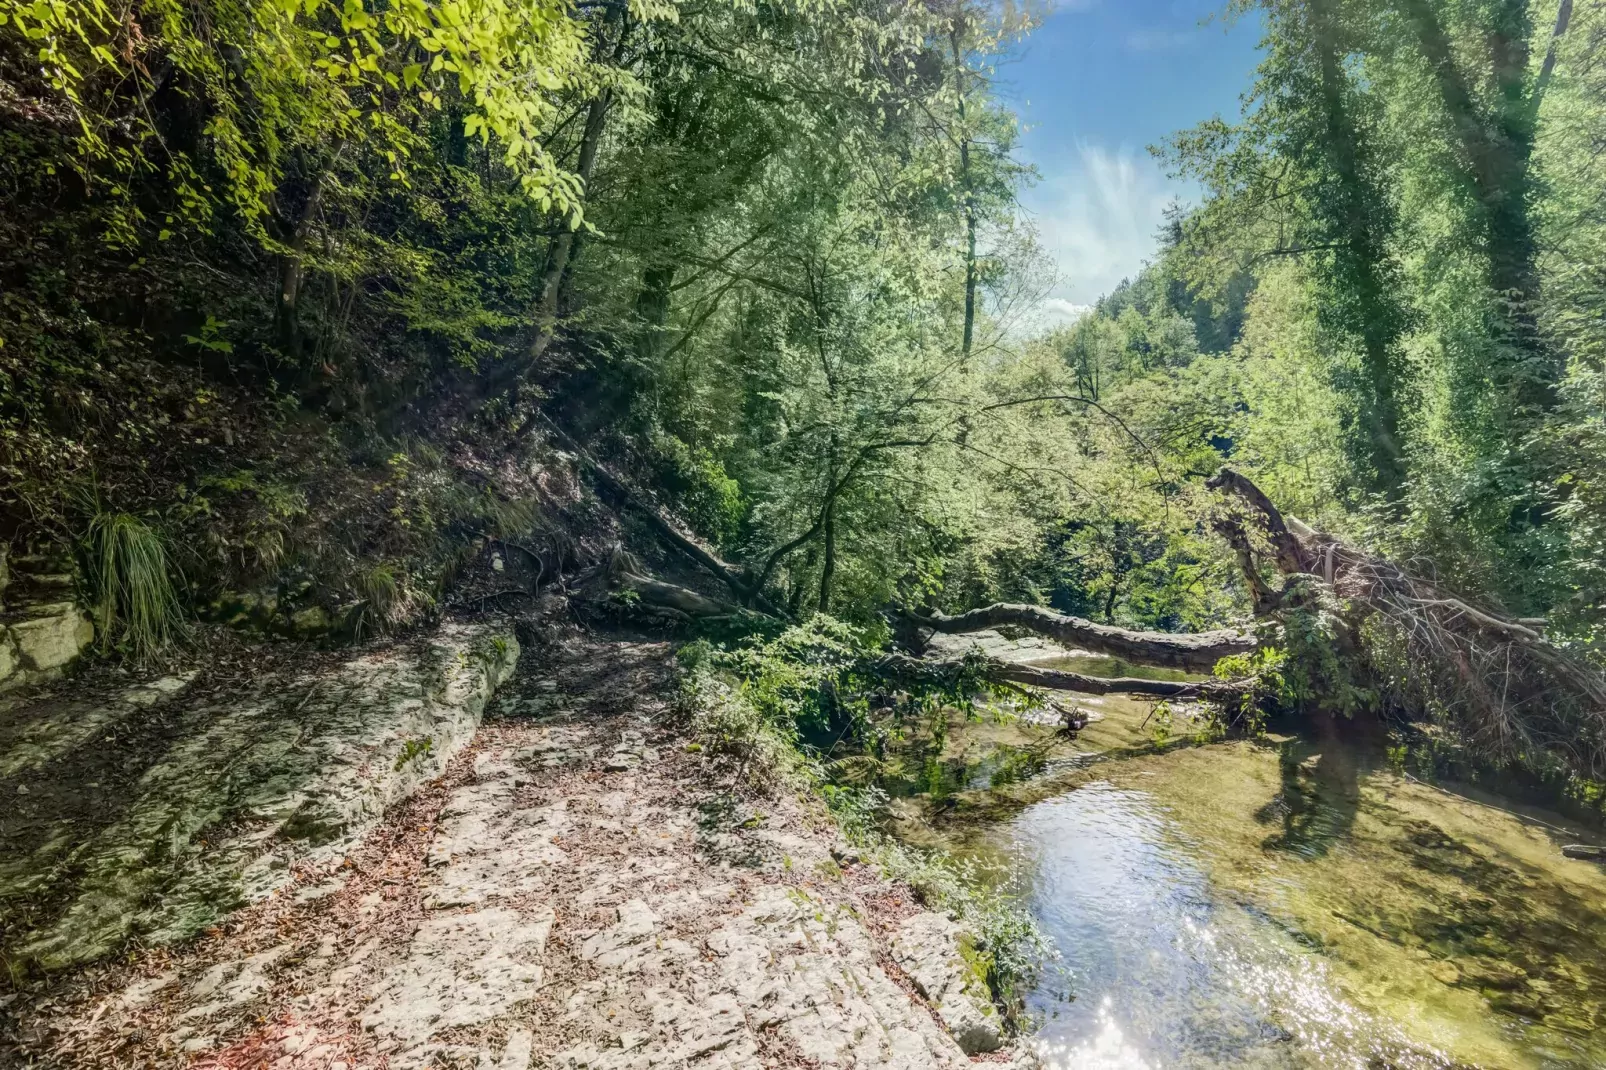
{"type": "Point", "coordinates": [757, 705]}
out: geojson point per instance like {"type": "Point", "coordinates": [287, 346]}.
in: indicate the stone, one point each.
{"type": "Point", "coordinates": [620, 942]}
{"type": "Point", "coordinates": [460, 970]}
{"type": "Point", "coordinates": [229, 986]}
{"type": "Point", "coordinates": [311, 622]}
{"type": "Point", "coordinates": [53, 636]}
{"type": "Point", "coordinates": [931, 949]}
{"type": "Point", "coordinates": [296, 771]}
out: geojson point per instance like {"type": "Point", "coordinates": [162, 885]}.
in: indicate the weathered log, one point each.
{"type": "Point", "coordinates": [672, 596]}
{"type": "Point", "coordinates": [655, 518]}
{"type": "Point", "coordinates": [1286, 550]}
{"type": "Point", "coordinates": [904, 669]}
{"type": "Point", "coordinates": [1181, 650]}
{"type": "Point", "coordinates": [1587, 852]}
{"type": "Point", "coordinates": [1506, 685]}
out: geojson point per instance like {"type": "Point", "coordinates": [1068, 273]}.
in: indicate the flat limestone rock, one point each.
{"type": "Point", "coordinates": [297, 769]}
{"type": "Point", "coordinates": [787, 964]}
{"type": "Point", "coordinates": [928, 947]}
{"type": "Point", "coordinates": [43, 640]}
{"type": "Point", "coordinates": [488, 848]}
{"type": "Point", "coordinates": [460, 970]}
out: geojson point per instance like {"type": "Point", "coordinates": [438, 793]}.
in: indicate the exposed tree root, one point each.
{"type": "Point", "coordinates": [1510, 691]}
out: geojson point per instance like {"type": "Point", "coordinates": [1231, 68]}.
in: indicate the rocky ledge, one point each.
{"type": "Point", "coordinates": [149, 812]}
{"type": "Point", "coordinates": [577, 890]}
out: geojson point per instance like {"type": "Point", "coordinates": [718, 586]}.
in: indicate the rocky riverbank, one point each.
{"type": "Point", "coordinates": [576, 890]}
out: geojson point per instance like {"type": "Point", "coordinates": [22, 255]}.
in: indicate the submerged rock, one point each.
{"type": "Point", "coordinates": [932, 951]}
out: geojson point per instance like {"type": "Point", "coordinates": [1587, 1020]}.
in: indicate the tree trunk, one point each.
{"type": "Point", "coordinates": [828, 567]}
{"type": "Point", "coordinates": [1359, 222]}
{"type": "Point", "coordinates": [969, 201]}
{"type": "Point", "coordinates": [904, 669]}
{"type": "Point", "coordinates": [1196, 651]}
{"type": "Point", "coordinates": [1496, 151]}
{"type": "Point", "coordinates": [1564, 16]}
{"type": "Point", "coordinates": [652, 309]}
{"type": "Point", "coordinates": [656, 592]}
{"type": "Point", "coordinates": [726, 574]}
{"type": "Point", "coordinates": [546, 309]}
{"type": "Point", "coordinates": [290, 268]}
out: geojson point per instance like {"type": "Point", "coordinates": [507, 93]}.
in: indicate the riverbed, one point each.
{"type": "Point", "coordinates": [1292, 901]}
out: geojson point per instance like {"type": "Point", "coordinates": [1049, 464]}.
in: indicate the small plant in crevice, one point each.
{"type": "Point", "coordinates": [414, 748]}
{"type": "Point", "coordinates": [136, 603]}
{"type": "Point", "coordinates": [1160, 722]}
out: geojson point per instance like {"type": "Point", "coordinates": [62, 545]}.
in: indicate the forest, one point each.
{"type": "Point", "coordinates": [298, 299]}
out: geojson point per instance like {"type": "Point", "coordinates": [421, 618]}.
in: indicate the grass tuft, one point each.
{"type": "Point", "coordinates": [136, 601]}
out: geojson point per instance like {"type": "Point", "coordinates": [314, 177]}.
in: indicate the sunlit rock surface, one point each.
{"type": "Point", "coordinates": [214, 801]}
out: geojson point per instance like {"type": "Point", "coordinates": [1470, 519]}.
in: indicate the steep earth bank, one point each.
{"type": "Point", "coordinates": [578, 888]}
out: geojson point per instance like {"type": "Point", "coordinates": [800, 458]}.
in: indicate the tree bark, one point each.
{"type": "Point", "coordinates": [1197, 651]}
{"type": "Point", "coordinates": [726, 574]}
{"type": "Point", "coordinates": [828, 567]}
{"type": "Point", "coordinates": [908, 670]}
{"type": "Point", "coordinates": [290, 266]}
{"type": "Point", "coordinates": [1287, 552]}
{"type": "Point", "coordinates": [1359, 218]}
{"type": "Point", "coordinates": [1496, 150]}
{"type": "Point", "coordinates": [656, 592]}
{"type": "Point", "coordinates": [1564, 16]}
{"type": "Point", "coordinates": [969, 201]}
{"type": "Point", "coordinates": [546, 310]}
{"type": "Point", "coordinates": [652, 308]}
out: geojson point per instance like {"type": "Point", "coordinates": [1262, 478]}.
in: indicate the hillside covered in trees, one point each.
{"type": "Point", "coordinates": [300, 299]}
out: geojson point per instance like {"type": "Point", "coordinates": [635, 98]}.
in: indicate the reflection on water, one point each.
{"type": "Point", "coordinates": [1293, 902]}
{"type": "Point", "coordinates": [1166, 974]}
{"type": "Point", "coordinates": [1101, 665]}
{"type": "Point", "coordinates": [1297, 903]}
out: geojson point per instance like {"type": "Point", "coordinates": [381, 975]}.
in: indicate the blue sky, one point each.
{"type": "Point", "coordinates": [1095, 85]}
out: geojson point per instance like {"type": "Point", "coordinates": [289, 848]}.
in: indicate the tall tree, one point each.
{"type": "Point", "coordinates": [1494, 133]}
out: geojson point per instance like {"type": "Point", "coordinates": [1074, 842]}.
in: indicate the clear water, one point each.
{"type": "Point", "coordinates": [1165, 971]}
{"type": "Point", "coordinates": [1296, 903]}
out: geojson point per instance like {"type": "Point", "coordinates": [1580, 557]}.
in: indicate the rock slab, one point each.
{"type": "Point", "coordinates": [297, 769]}
{"type": "Point", "coordinates": [931, 950]}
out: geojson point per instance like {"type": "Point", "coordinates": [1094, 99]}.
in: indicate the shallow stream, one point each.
{"type": "Point", "coordinates": [1289, 902]}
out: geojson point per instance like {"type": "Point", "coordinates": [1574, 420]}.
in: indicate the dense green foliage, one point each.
{"type": "Point", "coordinates": [292, 290]}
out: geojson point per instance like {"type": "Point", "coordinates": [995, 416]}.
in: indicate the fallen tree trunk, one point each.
{"type": "Point", "coordinates": [1509, 691]}
{"type": "Point", "coordinates": [655, 592]}
{"type": "Point", "coordinates": [902, 668]}
{"type": "Point", "coordinates": [1198, 651]}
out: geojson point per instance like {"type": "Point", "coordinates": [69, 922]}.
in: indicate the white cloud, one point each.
{"type": "Point", "coordinates": [1098, 212]}
{"type": "Point", "coordinates": [1050, 313]}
